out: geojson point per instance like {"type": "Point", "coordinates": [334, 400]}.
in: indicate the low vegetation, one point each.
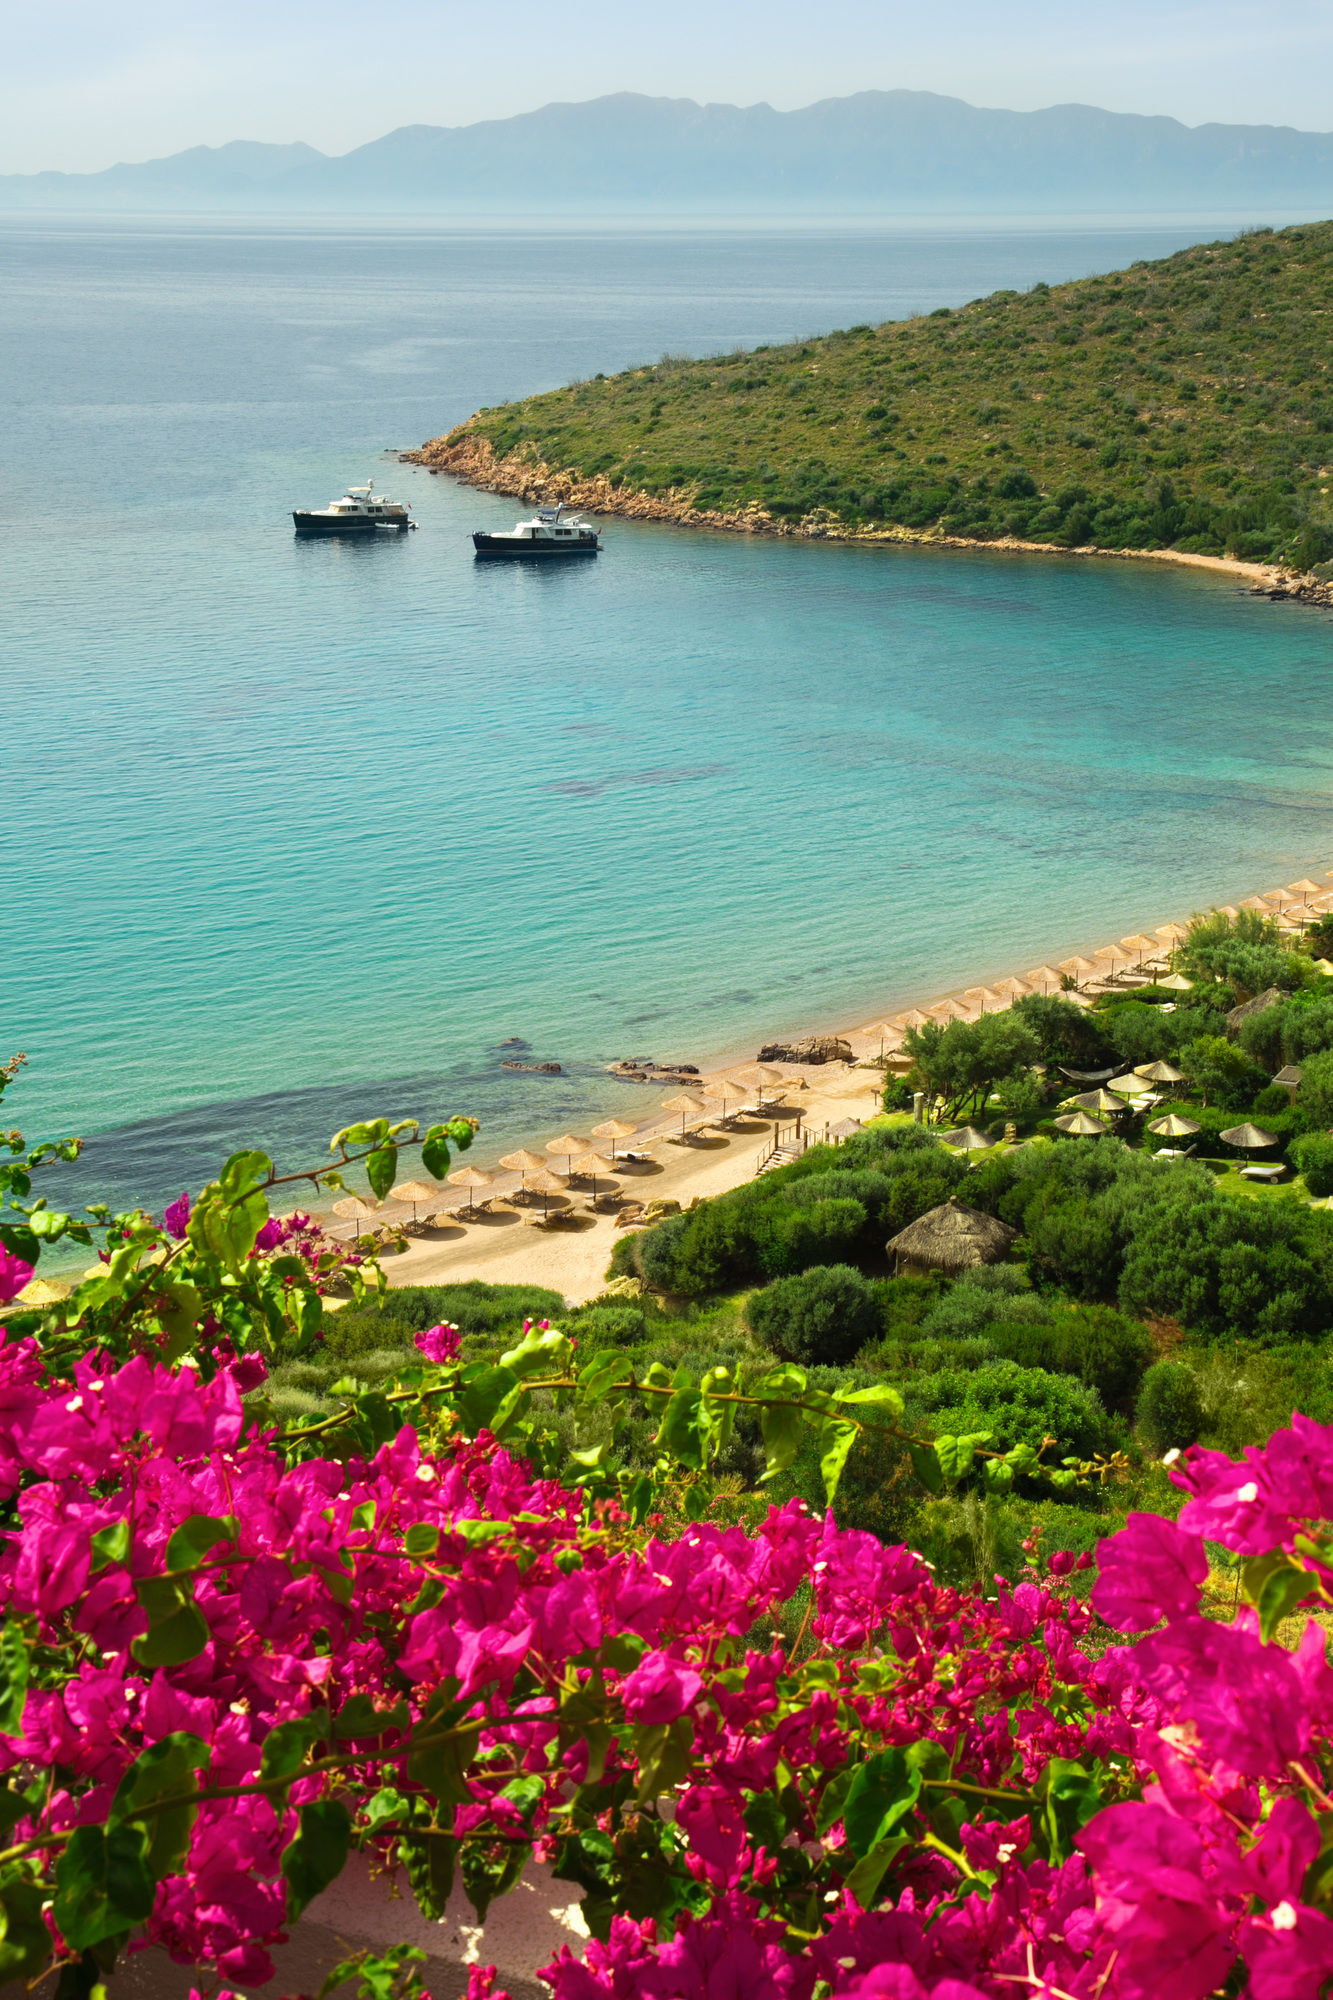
{"type": "Point", "coordinates": [1183, 404]}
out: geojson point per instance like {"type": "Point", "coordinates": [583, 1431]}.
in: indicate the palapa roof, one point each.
{"type": "Point", "coordinates": [1249, 1137]}
{"type": "Point", "coordinates": [1268, 998]}
{"type": "Point", "coordinates": [951, 1237]}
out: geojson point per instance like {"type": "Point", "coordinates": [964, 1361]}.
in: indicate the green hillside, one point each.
{"type": "Point", "coordinates": [1186, 403]}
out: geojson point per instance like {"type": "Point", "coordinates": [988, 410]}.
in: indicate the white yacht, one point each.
{"type": "Point", "coordinates": [360, 512]}
{"type": "Point", "coordinates": [550, 532]}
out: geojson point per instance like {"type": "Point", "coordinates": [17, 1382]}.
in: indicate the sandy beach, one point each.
{"type": "Point", "coordinates": [504, 1244]}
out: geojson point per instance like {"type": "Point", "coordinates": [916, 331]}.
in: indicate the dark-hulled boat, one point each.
{"type": "Point", "coordinates": [361, 511]}
{"type": "Point", "coordinates": [549, 534]}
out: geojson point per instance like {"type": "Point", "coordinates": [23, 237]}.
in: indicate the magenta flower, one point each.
{"type": "Point", "coordinates": [14, 1275]}
{"type": "Point", "coordinates": [176, 1216]}
{"type": "Point", "coordinates": [660, 1689]}
{"type": "Point", "coordinates": [1149, 1571]}
{"type": "Point", "coordinates": [439, 1343]}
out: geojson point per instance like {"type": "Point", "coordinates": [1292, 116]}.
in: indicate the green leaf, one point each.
{"type": "Point", "coordinates": [1280, 1595]}
{"type": "Point", "coordinates": [611, 1369]}
{"type": "Point", "coordinates": [441, 1751]}
{"type": "Point", "coordinates": [1070, 1797]}
{"type": "Point", "coordinates": [194, 1538]}
{"type": "Point", "coordinates": [680, 1431]}
{"type": "Point", "coordinates": [864, 1880]}
{"type": "Point", "coordinates": [955, 1454]}
{"type": "Point", "coordinates": [358, 1717]}
{"type": "Point", "coordinates": [13, 1678]}
{"type": "Point", "coordinates": [242, 1171]}
{"type": "Point", "coordinates": [177, 1630]}
{"type": "Point", "coordinates": [167, 1769]}
{"type": "Point", "coordinates": [430, 1860]}
{"type": "Point", "coordinates": [421, 1539]}
{"type": "Point", "coordinates": [435, 1152]}
{"type": "Point", "coordinates": [318, 1855]}
{"type": "Point", "coordinates": [837, 1440]}
{"type": "Point", "coordinates": [880, 1394]}
{"type": "Point", "coordinates": [351, 1135]}
{"type": "Point", "coordinates": [103, 1887]}
{"type": "Point", "coordinates": [382, 1169]}
{"type": "Point", "coordinates": [380, 1975]}
{"type": "Point", "coordinates": [998, 1475]}
{"type": "Point", "coordinates": [883, 1792]}
{"type": "Point", "coordinates": [488, 1874]}
{"type": "Point", "coordinates": [285, 1747]}
{"type": "Point", "coordinates": [782, 1428]}
{"type": "Point", "coordinates": [537, 1352]}
{"type": "Point", "coordinates": [25, 1942]}
{"type": "Point", "coordinates": [487, 1398]}
{"type": "Point", "coordinates": [927, 1467]}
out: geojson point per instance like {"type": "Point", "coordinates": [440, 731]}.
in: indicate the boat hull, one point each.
{"type": "Point", "coordinates": [321, 524]}
{"type": "Point", "coordinates": [532, 551]}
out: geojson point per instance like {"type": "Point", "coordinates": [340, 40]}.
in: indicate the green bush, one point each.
{"type": "Point", "coordinates": [1017, 1406]}
{"type": "Point", "coordinates": [824, 1315]}
{"type": "Point", "coordinates": [1314, 1094]}
{"type": "Point", "coordinates": [405, 1310]}
{"type": "Point", "coordinates": [824, 1232]}
{"type": "Point", "coordinates": [898, 1094]}
{"type": "Point", "coordinates": [1105, 1350]}
{"type": "Point", "coordinates": [1170, 1411]}
{"type": "Point", "coordinates": [1312, 1155]}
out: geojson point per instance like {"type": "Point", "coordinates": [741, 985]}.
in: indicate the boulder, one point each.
{"type": "Point", "coordinates": [815, 1050]}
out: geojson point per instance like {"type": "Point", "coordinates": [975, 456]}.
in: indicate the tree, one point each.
{"type": "Point", "coordinates": [962, 1063]}
{"type": "Point", "coordinates": [1217, 1068]}
{"type": "Point", "coordinates": [1170, 1410]}
{"type": "Point", "coordinates": [1246, 952]}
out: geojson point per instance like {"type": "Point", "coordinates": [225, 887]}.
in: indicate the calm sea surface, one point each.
{"type": "Point", "coordinates": [299, 832]}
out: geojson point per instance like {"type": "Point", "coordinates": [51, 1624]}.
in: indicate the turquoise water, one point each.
{"type": "Point", "coordinates": [298, 832]}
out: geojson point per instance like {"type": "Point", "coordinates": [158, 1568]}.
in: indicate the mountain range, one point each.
{"type": "Point", "coordinates": [880, 152]}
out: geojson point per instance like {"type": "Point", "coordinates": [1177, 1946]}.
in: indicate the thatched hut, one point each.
{"type": "Point", "coordinates": [950, 1238]}
{"type": "Point", "coordinates": [1259, 1005]}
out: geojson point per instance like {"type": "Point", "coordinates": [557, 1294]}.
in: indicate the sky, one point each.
{"type": "Point", "coordinates": [86, 83]}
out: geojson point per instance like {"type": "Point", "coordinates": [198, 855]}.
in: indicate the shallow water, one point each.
{"type": "Point", "coordinates": [299, 832]}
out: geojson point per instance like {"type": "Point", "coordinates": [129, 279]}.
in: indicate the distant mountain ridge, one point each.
{"type": "Point", "coordinates": [881, 152]}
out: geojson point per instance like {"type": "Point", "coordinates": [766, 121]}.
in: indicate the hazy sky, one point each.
{"type": "Point", "coordinates": [87, 82]}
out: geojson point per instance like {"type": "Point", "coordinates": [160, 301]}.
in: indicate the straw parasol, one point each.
{"type": "Point", "coordinates": [759, 1077]}
{"type": "Point", "coordinates": [566, 1146]}
{"type": "Point", "coordinates": [1080, 1125]}
{"type": "Point", "coordinates": [985, 997]}
{"type": "Point", "coordinates": [523, 1162]}
{"type": "Point", "coordinates": [1249, 1138]}
{"type": "Point", "coordinates": [1160, 1072]}
{"type": "Point", "coordinates": [593, 1164]}
{"type": "Point", "coordinates": [1078, 968]}
{"type": "Point", "coordinates": [950, 1010]}
{"type": "Point", "coordinates": [1304, 889]}
{"type": "Point", "coordinates": [472, 1178]}
{"type": "Point", "coordinates": [1012, 988]}
{"type": "Point", "coordinates": [951, 1238]}
{"type": "Point", "coordinates": [1173, 1126]}
{"type": "Point", "coordinates": [1259, 904]}
{"type": "Point", "coordinates": [355, 1208]}
{"type": "Point", "coordinates": [46, 1291]}
{"type": "Point", "coordinates": [722, 1088]}
{"type": "Point", "coordinates": [1142, 946]}
{"type": "Point", "coordinates": [416, 1192]}
{"type": "Point", "coordinates": [1128, 1084]}
{"type": "Point", "coordinates": [1172, 933]}
{"type": "Point", "coordinates": [685, 1103]}
{"type": "Point", "coordinates": [545, 1183]}
{"type": "Point", "coordinates": [968, 1139]}
{"type": "Point", "coordinates": [613, 1129]}
{"type": "Point", "coordinates": [914, 1018]}
{"type": "Point", "coordinates": [1044, 976]}
{"type": "Point", "coordinates": [1176, 982]}
{"type": "Point", "coordinates": [886, 1030]}
{"type": "Point", "coordinates": [1100, 1100]}
{"type": "Point", "coordinates": [1283, 898]}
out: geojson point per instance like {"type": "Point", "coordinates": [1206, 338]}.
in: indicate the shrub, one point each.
{"type": "Point", "coordinates": [656, 1251]}
{"type": "Point", "coordinates": [898, 1094]}
{"type": "Point", "coordinates": [1315, 1092]}
{"type": "Point", "coordinates": [1312, 1155]}
{"type": "Point", "coordinates": [1017, 1406]}
{"type": "Point", "coordinates": [1170, 1411]}
{"type": "Point", "coordinates": [474, 1308]}
{"type": "Point", "coordinates": [824, 1315]}
{"type": "Point", "coordinates": [824, 1232]}
{"type": "Point", "coordinates": [1104, 1349]}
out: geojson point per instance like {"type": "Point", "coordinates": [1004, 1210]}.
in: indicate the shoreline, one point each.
{"type": "Point", "coordinates": [500, 1249]}
{"type": "Point", "coordinates": [470, 460]}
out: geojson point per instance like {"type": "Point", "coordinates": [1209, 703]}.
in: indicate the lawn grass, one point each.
{"type": "Point", "coordinates": [1182, 404]}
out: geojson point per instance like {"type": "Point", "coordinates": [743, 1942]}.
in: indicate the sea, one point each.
{"type": "Point", "coordinates": [296, 833]}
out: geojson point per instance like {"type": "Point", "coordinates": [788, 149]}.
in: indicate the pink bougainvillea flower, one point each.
{"type": "Point", "coordinates": [14, 1275]}
{"type": "Point", "coordinates": [1149, 1571]}
{"type": "Point", "coordinates": [176, 1216]}
{"type": "Point", "coordinates": [660, 1689]}
{"type": "Point", "coordinates": [439, 1343]}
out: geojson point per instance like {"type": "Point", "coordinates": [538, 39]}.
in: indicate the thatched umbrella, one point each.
{"type": "Point", "coordinates": [592, 1164]}
{"type": "Point", "coordinates": [1128, 1085]}
{"type": "Point", "coordinates": [951, 1238]}
{"type": "Point", "coordinates": [1282, 899]}
{"type": "Point", "coordinates": [1305, 889]}
{"type": "Point", "coordinates": [1044, 977]}
{"type": "Point", "coordinates": [523, 1162]}
{"type": "Point", "coordinates": [613, 1129]}
{"type": "Point", "coordinates": [1080, 1125]}
{"type": "Point", "coordinates": [968, 1139]}
{"type": "Point", "coordinates": [914, 1018]}
{"type": "Point", "coordinates": [985, 998]}
{"type": "Point", "coordinates": [545, 1184]}
{"type": "Point", "coordinates": [1173, 1126]}
{"type": "Point", "coordinates": [723, 1088]}
{"type": "Point", "coordinates": [950, 1010]}
{"type": "Point", "coordinates": [355, 1208]}
{"type": "Point", "coordinates": [1078, 968]}
{"type": "Point", "coordinates": [1100, 1100]}
{"type": "Point", "coordinates": [472, 1178]}
{"type": "Point", "coordinates": [1012, 988]}
{"type": "Point", "coordinates": [566, 1146]}
{"type": "Point", "coordinates": [685, 1103]}
{"type": "Point", "coordinates": [1160, 1072]}
{"type": "Point", "coordinates": [1259, 904]}
{"type": "Point", "coordinates": [1176, 982]}
{"type": "Point", "coordinates": [1172, 933]}
{"type": "Point", "coordinates": [760, 1077]}
{"type": "Point", "coordinates": [416, 1192]}
{"type": "Point", "coordinates": [886, 1030]}
{"type": "Point", "coordinates": [47, 1291]}
{"type": "Point", "coordinates": [1249, 1138]}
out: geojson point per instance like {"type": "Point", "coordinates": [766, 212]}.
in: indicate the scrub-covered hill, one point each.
{"type": "Point", "coordinates": [1182, 404]}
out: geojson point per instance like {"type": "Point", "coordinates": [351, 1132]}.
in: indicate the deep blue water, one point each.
{"type": "Point", "coordinates": [299, 832]}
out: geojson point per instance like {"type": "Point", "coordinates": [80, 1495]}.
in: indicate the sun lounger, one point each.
{"type": "Point", "coordinates": [1258, 1173]}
